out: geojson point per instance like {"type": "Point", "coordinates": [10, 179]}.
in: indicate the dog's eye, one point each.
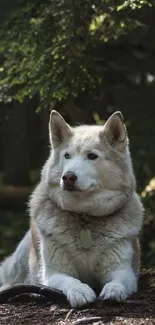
{"type": "Point", "coordinates": [92, 156]}
{"type": "Point", "coordinates": [67, 155]}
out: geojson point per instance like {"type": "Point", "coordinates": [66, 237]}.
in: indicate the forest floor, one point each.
{"type": "Point", "coordinates": [31, 309]}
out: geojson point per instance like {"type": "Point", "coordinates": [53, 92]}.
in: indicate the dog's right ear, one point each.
{"type": "Point", "coordinates": [59, 130]}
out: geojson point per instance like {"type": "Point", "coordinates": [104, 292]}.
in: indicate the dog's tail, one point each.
{"type": "Point", "coordinates": [15, 268]}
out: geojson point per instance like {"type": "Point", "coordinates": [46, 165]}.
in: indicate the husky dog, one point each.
{"type": "Point", "coordinates": [85, 216]}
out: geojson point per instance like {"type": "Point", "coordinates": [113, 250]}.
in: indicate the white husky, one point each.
{"type": "Point", "coordinates": [85, 216]}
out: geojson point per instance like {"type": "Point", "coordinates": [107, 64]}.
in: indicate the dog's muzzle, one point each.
{"type": "Point", "coordinates": [68, 181]}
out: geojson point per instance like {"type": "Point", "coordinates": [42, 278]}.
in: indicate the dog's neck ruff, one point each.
{"type": "Point", "coordinates": [85, 234]}
{"type": "Point", "coordinates": [85, 216]}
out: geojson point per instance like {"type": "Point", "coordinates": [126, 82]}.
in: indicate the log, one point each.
{"type": "Point", "coordinates": [13, 196]}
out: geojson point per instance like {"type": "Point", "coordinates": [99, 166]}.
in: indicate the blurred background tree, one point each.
{"type": "Point", "coordinates": [86, 59]}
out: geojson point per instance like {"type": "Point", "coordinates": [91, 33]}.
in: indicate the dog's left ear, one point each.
{"type": "Point", "coordinates": [115, 131]}
{"type": "Point", "coordinates": [59, 130]}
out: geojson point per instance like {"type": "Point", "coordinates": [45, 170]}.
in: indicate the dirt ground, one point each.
{"type": "Point", "coordinates": [33, 309]}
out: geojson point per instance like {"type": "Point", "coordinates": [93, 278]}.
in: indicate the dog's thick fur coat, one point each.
{"type": "Point", "coordinates": [85, 216]}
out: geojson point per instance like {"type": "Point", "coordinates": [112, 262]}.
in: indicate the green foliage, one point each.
{"type": "Point", "coordinates": [51, 47]}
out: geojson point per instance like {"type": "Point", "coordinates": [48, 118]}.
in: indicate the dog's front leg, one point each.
{"type": "Point", "coordinates": [78, 293]}
{"type": "Point", "coordinates": [121, 284]}
{"type": "Point", "coordinates": [54, 258]}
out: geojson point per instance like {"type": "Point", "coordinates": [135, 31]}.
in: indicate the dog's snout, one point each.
{"type": "Point", "coordinates": [69, 178]}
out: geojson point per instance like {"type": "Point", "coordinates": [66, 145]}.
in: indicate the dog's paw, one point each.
{"type": "Point", "coordinates": [113, 291]}
{"type": "Point", "coordinates": [80, 295]}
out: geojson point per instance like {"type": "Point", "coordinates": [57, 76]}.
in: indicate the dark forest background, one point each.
{"type": "Point", "coordinates": [86, 59]}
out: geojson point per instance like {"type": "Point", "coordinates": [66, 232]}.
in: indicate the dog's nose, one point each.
{"type": "Point", "coordinates": [69, 179]}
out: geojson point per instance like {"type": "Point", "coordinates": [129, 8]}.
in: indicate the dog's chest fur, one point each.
{"type": "Point", "coordinates": [81, 245]}
{"type": "Point", "coordinates": [79, 232]}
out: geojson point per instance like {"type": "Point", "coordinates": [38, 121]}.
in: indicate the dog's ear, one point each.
{"type": "Point", "coordinates": [115, 131]}
{"type": "Point", "coordinates": [59, 130]}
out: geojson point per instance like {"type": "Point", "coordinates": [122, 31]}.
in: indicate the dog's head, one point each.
{"type": "Point", "coordinates": [86, 160]}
